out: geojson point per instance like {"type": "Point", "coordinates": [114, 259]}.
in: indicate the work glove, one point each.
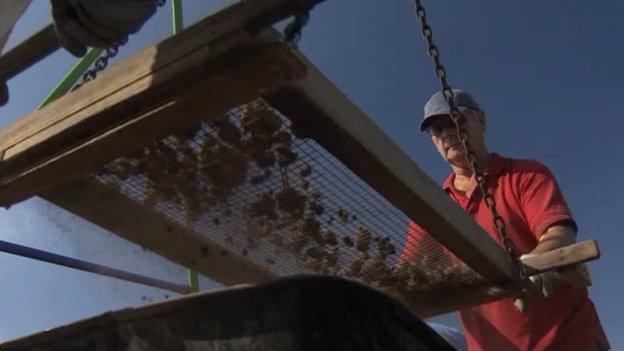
{"type": "Point", "coordinates": [545, 282]}
{"type": "Point", "coordinates": [542, 284]}
{"type": "Point", "coordinates": [4, 93]}
{"type": "Point", "coordinates": [98, 23]}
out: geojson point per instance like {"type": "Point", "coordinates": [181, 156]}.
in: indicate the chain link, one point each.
{"type": "Point", "coordinates": [456, 116]}
{"type": "Point", "coordinates": [292, 32]}
{"type": "Point", "coordinates": [102, 61]}
{"type": "Point", "coordinates": [98, 66]}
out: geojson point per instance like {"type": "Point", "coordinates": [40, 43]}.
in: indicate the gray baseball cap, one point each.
{"type": "Point", "coordinates": [437, 106]}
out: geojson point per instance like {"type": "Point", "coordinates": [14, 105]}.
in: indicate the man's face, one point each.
{"type": "Point", "coordinates": [444, 136]}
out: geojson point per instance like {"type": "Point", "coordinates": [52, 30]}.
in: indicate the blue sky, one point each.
{"type": "Point", "coordinates": [548, 73]}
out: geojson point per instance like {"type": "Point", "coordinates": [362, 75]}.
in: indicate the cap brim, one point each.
{"type": "Point", "coordinates": [427, 120]}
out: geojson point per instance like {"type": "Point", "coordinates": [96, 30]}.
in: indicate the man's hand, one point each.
{"type": "Point", "coordinates": [544, 283]}
{"type": "Point", "coordinates": [98, 23]}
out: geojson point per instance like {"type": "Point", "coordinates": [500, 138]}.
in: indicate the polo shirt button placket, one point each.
{"type": "Point", "coordinates": [477, 197]}
{"type": "Point", "coordinates": [473, 202]}
{"type": "Point", "coordinates": [473, 207]}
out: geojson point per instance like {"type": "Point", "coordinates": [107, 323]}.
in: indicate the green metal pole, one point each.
{"type": "Point", "coordinates": [176, 14]}
{"type": "Point", "coordinates": [178, 25]}
{"type": "Point", "coordinates": [72, 76]}
{"type": "Point", "coordinates": [193, 281]}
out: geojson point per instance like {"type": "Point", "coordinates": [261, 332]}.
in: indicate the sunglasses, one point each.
{"type": "Point", "coordinates": [437, 128]}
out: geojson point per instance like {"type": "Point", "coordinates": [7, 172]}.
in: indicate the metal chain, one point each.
{"type": "Point", "coordinates": [292, 32]}
{"type": "Point", "coordinates": [100, 64]}
{"type": "Point", "coordinates": [102, 61]}
{"type": "Point", "coordinates": [456, 116]}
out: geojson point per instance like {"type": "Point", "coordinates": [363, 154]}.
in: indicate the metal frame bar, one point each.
{"type": "Point", "coordinates": [69, 262]}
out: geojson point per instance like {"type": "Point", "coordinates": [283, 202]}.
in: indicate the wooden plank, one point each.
{"type": "Point", "coordinates": [569, 260]}
{"type": "Point", "coordinates": [562, 257]}
{"type": "Point", "coordinates": [430, 304]}
{"type": "Point", "coordinates": [134, 222]}
{"type": "Point", "coordinates": [144, 81]}
{"type": "Point", "coordinates": [247, 74]}
{"type": "Point", "coordinates": [318, 109]}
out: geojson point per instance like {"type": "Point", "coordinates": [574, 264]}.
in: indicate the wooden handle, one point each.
{"type": "Point", "coordinates": [562, 257]}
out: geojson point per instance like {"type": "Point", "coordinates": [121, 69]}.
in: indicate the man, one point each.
{"type": "Point", "coordinates": [81, 23]}
{"type": "Point", "coordinates": [537, 219]}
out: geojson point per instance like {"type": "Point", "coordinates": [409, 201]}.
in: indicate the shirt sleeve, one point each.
{"type": "Point", "coordinates": [542, 201]}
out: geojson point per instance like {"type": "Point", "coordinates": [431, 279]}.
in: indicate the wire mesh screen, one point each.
{"type": "Point", "coordinates": [245, 180]}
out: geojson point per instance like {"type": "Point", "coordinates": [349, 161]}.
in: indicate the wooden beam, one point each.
{"type": "Point", "coordinates": [569, 260]}
{"type": "Point", "coordinates": [434, 303]}
{"type": "Point", "coordinates": [107, 208]}
{"type": "Point", "coordinates": [247, 74]}
{"type": "Point", "coordinates": [318, 109]}
{"type": "Point", "coordinates": [147, 80]}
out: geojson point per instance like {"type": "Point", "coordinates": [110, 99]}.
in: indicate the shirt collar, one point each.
{"type": "Point", "coordinates": [495, 167]}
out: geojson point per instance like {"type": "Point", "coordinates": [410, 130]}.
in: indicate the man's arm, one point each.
{"type": "Point", "coordinates": [556, 236]}
{"type": "Point", "coordinates": [551, 222]}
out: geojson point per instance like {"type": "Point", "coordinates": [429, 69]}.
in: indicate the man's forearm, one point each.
{"type": "Point", "coordinates": [555, 236]}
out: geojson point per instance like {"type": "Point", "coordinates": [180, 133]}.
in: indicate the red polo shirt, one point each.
{"type": "Point", "coordinates": [529, 200]}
